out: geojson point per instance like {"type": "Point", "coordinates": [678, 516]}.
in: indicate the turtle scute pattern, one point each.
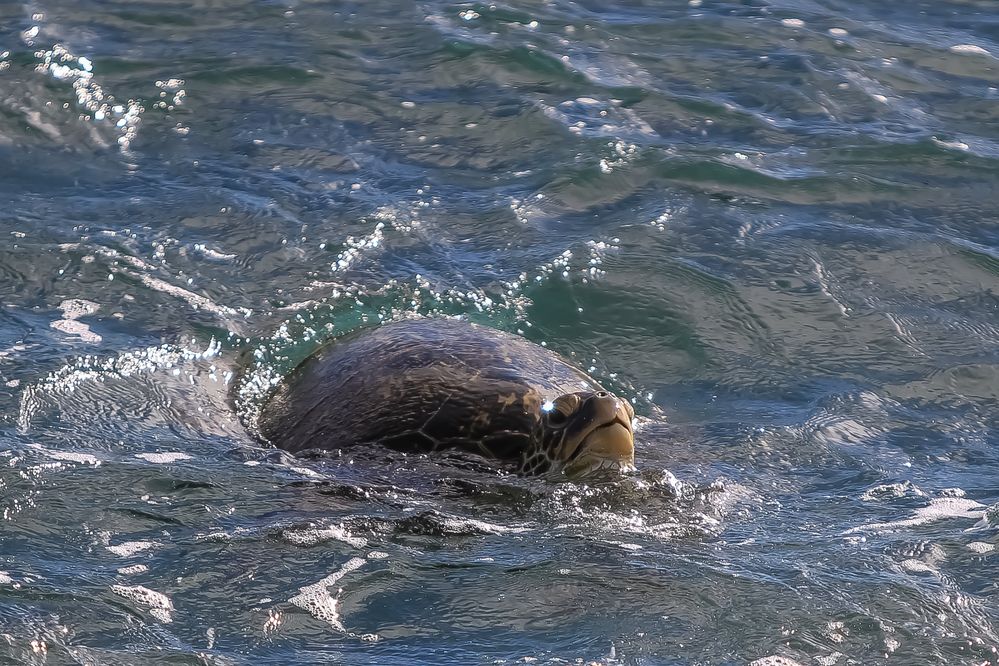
{"type": "Point", "coordinates": [421, 385]}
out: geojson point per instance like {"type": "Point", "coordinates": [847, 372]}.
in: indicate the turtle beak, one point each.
{"type": "Point", "coordinates": [602, 426]}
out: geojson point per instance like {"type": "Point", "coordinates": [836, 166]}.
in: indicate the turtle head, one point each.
{"type": "Point", "coordinates": [582, 432]}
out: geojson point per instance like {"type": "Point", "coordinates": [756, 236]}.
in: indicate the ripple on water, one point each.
{"type": "Point", "coordinates": [772, 224]}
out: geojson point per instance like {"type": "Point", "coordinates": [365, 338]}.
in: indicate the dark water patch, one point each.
{"type": "Point", "coordinates": [258, 75]}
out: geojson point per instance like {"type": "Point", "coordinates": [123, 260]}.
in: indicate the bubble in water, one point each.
{"type": "Point", "coordinates": [160, 606]}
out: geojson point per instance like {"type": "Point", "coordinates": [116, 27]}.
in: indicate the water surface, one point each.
{"type": "Point", "coordinates": [771, 224]}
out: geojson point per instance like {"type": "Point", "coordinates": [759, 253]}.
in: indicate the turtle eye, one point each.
{"type": "Point", "coordinates": [557, 418]}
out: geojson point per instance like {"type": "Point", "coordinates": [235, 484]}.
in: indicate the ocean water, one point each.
{"type": "Point", "coordinates": [772, 224]}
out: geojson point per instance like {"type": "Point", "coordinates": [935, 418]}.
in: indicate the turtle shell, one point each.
{"type": "Point", "coordinates": [420, 385]}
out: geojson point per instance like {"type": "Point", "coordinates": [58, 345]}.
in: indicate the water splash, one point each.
{"type": "Point", "coordinates": [89, 369]}
{"type": "Point", "coordinates": [96, 104]}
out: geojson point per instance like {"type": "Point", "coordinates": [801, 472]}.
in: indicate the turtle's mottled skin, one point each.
{"type": "Point", "coordinates": [429, 384]}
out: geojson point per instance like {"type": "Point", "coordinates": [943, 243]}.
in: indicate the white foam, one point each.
{"type": "Point", "coordinates": [5, 578]}
{"type": "Point", "coordinates": [82, 458]}
{"type": "Point", "coordinates": [918, 566]}
{"type": "Point", "coordinates": [312, 536]}
{"type": "Point", "coordinates": [213, 254]}
{"type": "Point", "coordinates": [792, 23]}
{"type": "Point", "coordinates": [981, 547]}
{"type": "Point", "coordinates": [938, 509]}
{"type": "Point", "coordinates": [74, 308]}
{"type": "Point", "coordinates": [356, 247]}
{"type": "Point", "coordinates": [196, 301]}
{"type": "Point", "coordinates": [160, 606]}
{"type": "Point", "coordinates": [836, 631]}
{"type": "Point", "coordinates": [317, 600]}
{"type": "Point", "coordinates": [68, 456]}
{"type": "Point", "coordinates": [775, 660]}
{"type": "Point", "coordinates": [132, 570]}
{"type": "Point", "coordinates": [890, 491]}
{"type": "Point", "coordinates": [953, 145]}
{"type": "Point", "coordinates": [969, 48]}
{"type": "Point", "coordinates": [77, 328]}
{"type": "Point", "coordinates": [306, 472]}
{"type": "Point", "coordinates": [222, 535]}
{"type": "Point", "coordinates": [464, 525]}
{"type": "Point", "coordinates": [163, 457]}
{"type": "Point", "coordinates": [129, 548]}
{"type": "Point", "coordinates": [847, 425]}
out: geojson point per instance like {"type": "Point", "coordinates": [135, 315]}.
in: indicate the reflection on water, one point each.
{"type": "Point", "coordinates": [770, 225]}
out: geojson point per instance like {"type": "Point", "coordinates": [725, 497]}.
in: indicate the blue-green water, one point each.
{"type": "Point", "coordinates": [772, 224]}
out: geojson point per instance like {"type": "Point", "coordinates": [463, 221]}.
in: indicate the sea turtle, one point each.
{"type": "Point", "coordinates": [429, 384]}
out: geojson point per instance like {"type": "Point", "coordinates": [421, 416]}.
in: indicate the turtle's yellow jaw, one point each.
{"type": "Point", "coordinates": [594, 432]}
{"type": "Point", "coordinates": [608, 447]}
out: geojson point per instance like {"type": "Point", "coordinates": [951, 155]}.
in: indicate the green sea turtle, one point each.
{"type": "Point", "coordinates": [430, 384]}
